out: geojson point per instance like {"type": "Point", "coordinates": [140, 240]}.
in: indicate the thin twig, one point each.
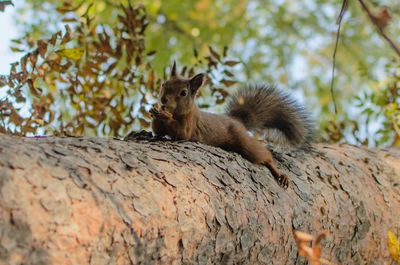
{"type": "Point", "coordinates": [2, 116]}
{"type": "Point", "coordinates": [380, 29]}
{"type": "Point", "coordinates": [345, 4]}
{"type": "Point", "coordinates": [339, 22]}
{"type": "Point", "coordinates": [2, 120]}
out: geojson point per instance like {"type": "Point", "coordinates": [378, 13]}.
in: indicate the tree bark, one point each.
{"type": "Point", "coordinates": [102, 201]}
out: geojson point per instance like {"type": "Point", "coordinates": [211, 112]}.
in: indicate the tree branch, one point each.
{"type": "Point", "coordinates": [102, 201]}
{"type": "Point", "coordinates": [380, 29]}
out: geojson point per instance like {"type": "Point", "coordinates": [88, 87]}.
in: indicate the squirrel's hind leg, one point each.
{"type": "Point", "coordinates": [282, 179]}
{"type": "Point", "coordinates": [263, 156]}
{"type": "Point", "coordinates": [254, 151]}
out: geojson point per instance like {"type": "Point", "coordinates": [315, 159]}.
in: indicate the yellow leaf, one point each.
{"type": "Point", "coordinates": [38, 121]}
{"type": "Point", "coordinates": [393, 246]}
{"type": "Point", "coordinates": [73, 54]}
{"type": "Point", "coordinates": [325, 100]}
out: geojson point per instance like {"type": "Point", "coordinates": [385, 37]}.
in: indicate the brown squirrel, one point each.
{"type": "Point", "coordinates": [252, 108]}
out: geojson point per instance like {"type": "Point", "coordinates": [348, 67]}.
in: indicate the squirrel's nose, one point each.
{"type": "Point", "coordinates": [164, 100]}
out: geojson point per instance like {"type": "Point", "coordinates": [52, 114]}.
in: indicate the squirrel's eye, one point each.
{"type": "Point", "coordinates": [183, 93]}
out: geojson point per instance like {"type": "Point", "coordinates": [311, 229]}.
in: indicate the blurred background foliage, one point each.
{"type": "Point", "coordinates": [93, 67]}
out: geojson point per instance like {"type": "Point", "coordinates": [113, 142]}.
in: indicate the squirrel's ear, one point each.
{"type": "Point", "coordinates": [173, 70]}
{"type": "Point", "coordinates": [196, 82]}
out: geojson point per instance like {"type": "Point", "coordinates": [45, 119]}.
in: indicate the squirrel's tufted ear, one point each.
{"type": "Point", "coordinates": [173, 70]}
{"type": "Point", "coordinates": [196, 82]}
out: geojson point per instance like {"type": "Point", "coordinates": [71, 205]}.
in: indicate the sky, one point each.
{"type": "Point", "coordinates": [8, 31]}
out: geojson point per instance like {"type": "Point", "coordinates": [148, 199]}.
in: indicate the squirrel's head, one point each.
{"type": "Point", "coordinates": [177, 94]}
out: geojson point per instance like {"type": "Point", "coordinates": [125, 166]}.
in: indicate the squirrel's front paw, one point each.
{"type": "Point", "coordinates": [155, 111]}
{"type": "Point", "coordinates": [159, 113]}
{"type": "Point", "coordinates": [165, 115]}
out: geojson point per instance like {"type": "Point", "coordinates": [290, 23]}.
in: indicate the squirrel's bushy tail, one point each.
{"type": "Point", "coordinates": [265, 109]}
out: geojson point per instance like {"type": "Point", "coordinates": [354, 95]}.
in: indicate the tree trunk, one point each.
{"type": "Point", "coordinates": [101, 201]}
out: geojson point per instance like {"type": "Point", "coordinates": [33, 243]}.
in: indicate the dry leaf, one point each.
{"type": "Point", "coordinates": [313, 253]}
{"type": "Point", "coordinates": [214, 53]}
{"type": "Point", "coordinates": [67, 36]}
{"type": "Point", "coordinates": [231, 63]}
{"type": "Point", "coordinates": [228, 82]}
{"type": "Point", "coordinates": [382, 19]}
{"type": "Point", "coordinates": [42, 47]}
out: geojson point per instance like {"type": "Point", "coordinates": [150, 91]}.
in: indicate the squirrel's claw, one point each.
{"type": "Point", "coordinates": [154, 111]}
{"type": "Point", "coordinates": [283, 181]}
{"type": "Point", "coordinates": [158, 113]}
{"type": "Point", "coordinates": [281, 178]}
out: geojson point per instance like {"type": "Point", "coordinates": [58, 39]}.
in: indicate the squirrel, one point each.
{"type": "Point", "coordinates": [252, 108]}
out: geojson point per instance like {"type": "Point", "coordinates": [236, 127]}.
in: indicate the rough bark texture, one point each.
{"type": "Point", "coordinates": [99, 201]}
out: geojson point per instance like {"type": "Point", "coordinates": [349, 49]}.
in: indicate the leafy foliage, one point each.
{"type": "Point", "coordinates": [289, 43]}
{"type": "Point", "coordinates": [93, 79]}
{"type": "Point", "coordinates": [382, 104]}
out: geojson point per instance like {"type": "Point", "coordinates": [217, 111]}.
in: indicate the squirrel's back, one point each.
{"type": "Point", "coordinates": [268, 110]}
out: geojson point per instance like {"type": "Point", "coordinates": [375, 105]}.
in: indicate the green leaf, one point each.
{"type": "Point", "coordinates": [73, 54]}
